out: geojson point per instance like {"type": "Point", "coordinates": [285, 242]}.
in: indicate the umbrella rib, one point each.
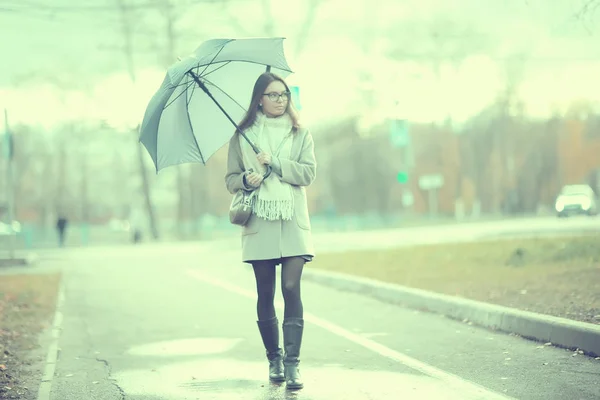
{"type": "Point", "coordinates": [189, 98]}
{"type": "Point", "coordinates": [216, 69]}
{"type": "Point", "coordinates": [179, 95]}
{"type": "Point", "coordinates": [180, 84]}
{"type": "Point", "coordinates": [245, 61]}
{"type": "Point", "coordinates": [215, 56]}
{"type": "Point", "coordinates": [187, 113]}
{"type": "Point", "coordinates": [225, 93]}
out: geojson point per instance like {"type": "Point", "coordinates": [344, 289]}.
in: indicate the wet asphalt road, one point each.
{"type": "Point", "coordinates": [178, 322]}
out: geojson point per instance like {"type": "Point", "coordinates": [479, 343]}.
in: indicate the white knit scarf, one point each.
{"type": "Point", "coordinates": [274, 199]}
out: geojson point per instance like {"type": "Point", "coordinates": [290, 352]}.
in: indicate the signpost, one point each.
{"type": "Point", "coordinates": [8, 148]}
{"type": "Point", "coordinates": [400, 138]}
{"type": "Point", "coordinates": [432, 183]}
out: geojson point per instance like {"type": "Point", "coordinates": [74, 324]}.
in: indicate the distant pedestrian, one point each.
{"type": "Point", "coordinates": [136, 222]}
{"type": "Point", "coordinates": [61, 227]}
{"type": "Point", "coordinates": [278, 232]}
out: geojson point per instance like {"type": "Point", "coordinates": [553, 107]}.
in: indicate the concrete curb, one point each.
{"type": "Point", "coordinates": [45, 388]}
{"type": "Point", "coordinates": [19, 261]}
{"type": "Point", "coordinates": [559, 331]}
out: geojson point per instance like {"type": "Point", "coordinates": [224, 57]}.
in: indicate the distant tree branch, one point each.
{"type": "Point", "coordinates": [589, 7]}
{"type": "Point", "coordinates": [307, 24]}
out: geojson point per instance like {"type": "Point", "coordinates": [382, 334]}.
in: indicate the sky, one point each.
{"type": "Point", "coordinates": [63, 61]}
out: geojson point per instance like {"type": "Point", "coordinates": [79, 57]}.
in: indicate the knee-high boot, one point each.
{"type": "Point", "coordinates": [269, 332]}
{"type": "Point", "coordinates": [293, 329]}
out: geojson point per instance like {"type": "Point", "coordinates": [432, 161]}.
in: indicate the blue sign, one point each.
{"type": "Point", "coordinates": [296, 96]}
{"type": "Point", "coordinates": [399, 133]}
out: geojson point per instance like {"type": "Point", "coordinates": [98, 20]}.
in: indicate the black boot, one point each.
{"type": "Point", "coordinates": [292, 341]}
{"type": "Point", "coordinates": [269, 332]}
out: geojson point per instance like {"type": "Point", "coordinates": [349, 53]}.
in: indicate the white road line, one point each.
{"type": "Point", "coordinates": [52, 356]}
{"type": "Point", "coordinates": [448, 378]}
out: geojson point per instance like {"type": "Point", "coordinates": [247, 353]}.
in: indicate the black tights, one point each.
{"type": "Point", "coordinates": [291, 272]}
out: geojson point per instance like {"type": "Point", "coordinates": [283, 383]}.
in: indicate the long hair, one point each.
{"type": "Point", "coordinates": [261, 84]}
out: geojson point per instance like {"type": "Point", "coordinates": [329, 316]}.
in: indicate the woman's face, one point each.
{"type": "Point", "coordinates": [278, 106]}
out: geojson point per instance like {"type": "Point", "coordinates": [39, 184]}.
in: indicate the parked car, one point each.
{"type": "Point", "coordinates": [576, 199]}
{"type": "Point", "coordinates": [7, 230]}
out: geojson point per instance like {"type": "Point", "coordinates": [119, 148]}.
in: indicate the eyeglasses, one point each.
{"type": "Point", "coordinates": [273, 96]}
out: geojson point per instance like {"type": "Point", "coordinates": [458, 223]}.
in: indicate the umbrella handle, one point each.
{"type": "Point", "coordinates": [257, 150]}
{"type": "Point", "coordinates": [269, 170]}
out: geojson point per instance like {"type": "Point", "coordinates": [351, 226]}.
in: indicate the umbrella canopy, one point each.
{"type": "Point", "coordinates": [194, 112]}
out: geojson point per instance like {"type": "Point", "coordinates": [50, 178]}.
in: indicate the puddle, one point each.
{"type": "Point", "coordinates": [230, 379]}
{"type": "Point", "coordinates": [214, 374]}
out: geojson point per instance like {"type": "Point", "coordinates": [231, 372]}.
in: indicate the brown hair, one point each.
{"type": "Point", "coordinates": [261, 84]}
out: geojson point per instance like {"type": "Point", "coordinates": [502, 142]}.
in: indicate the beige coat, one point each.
{"type": "Point", "coordinates": [266, 240]}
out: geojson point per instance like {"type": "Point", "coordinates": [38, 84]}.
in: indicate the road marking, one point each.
{"type": "Point", "coordinates": [448, 378]}
{"type": "Point", "coordinates": [52, 356]}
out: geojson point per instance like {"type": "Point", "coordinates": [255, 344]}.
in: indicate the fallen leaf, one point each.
{"type": "Point", "coordinates": [2, 367]}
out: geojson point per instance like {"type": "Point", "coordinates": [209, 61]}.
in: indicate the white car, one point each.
{"type": "Point", "coordinates": [5, 229]}
{"type": "Point", "coordinates": [576, 199]}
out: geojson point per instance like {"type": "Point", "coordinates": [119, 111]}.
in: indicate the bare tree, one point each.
{"type": "Point", "coordinates": [127, 32]}
{"type": "Point", "coordinates": [267, 26]}
{"type": "Point", "coordinates": [586, 14]}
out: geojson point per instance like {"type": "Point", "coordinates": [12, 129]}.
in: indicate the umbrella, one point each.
{"type": "Point", "coordinates": [190, 117]}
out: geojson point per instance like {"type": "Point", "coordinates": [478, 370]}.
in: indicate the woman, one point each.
{"type": "Point", "coordinates": [278, 232]}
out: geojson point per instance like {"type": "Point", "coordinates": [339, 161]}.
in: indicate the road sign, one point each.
{"type": "Point", "coordinates": [402, 177]}
{"type": "Point", "coordinates": [399, 133]}
{"type": "Point", "coordinates": [10, 186]}
{"type": "Point", "coordinates": [428, 182]}
{"type": "Point", "coordinates": [296, 96]}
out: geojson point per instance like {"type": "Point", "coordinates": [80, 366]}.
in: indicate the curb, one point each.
{"type": "Point", "coordinates": [52, 356]}
{"type": "Point", "coordinates": [21, 261]}
{"type": "Point", "coordinates": [560, 332]}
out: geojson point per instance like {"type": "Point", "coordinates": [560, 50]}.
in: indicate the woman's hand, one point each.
{"type": "Point", "coordinates": [254, 179]}
{"type": "Point", "coordinates": [264, 158]}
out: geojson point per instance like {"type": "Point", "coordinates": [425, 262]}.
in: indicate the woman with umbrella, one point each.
{"type": "Point", "coordinates": [278, 232]}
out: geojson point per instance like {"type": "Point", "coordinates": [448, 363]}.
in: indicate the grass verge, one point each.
{"type": "Point", "coordinates": [27, 304]}
{"type": "Point", "coordinates": [557, 276]}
